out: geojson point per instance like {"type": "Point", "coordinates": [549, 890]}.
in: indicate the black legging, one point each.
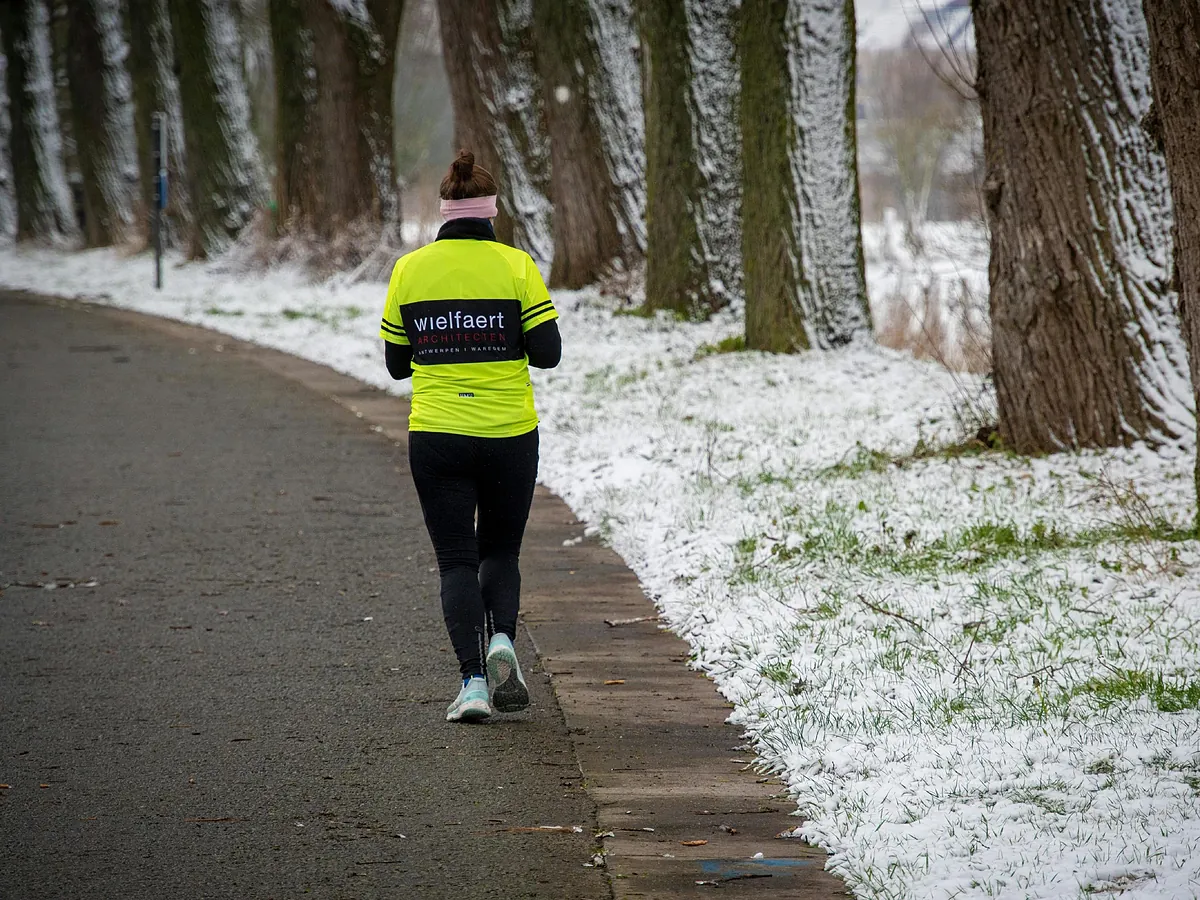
{"type": "Point", "coordinates": [457, 476]}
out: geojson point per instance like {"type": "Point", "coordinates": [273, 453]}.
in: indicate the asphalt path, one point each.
{"type": "Point", "coordinates": [223, 670]}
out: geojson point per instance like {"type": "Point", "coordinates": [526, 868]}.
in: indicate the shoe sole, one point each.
{"type": "Point", "coordinates": [508, 692]}
{"type": "Point", "coordinates": [471, 711]}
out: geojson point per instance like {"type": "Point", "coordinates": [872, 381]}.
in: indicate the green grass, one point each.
{"type": "Point", "coordinates": [858, 462]}
{"type": "Point", "coordinates": [217, 311]}
{"type": "Point", "coordinates": [734, 344]}
{"type": "Point", "coordinates": [829, 536]}
{"type": "Point", "coordinates": [1130, 685]}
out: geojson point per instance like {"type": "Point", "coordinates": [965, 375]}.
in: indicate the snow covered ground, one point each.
{"type": "Point", "coordinates": [979, 674]}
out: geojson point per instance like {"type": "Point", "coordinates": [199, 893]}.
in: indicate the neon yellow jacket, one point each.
{"type": "Point", "coordinates": [463, 306]}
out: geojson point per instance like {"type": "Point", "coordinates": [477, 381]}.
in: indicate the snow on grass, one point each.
{"type": "Point", "coordinates": [978, 673]}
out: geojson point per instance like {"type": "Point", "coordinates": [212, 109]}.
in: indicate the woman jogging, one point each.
{"type": "Point", "coordinates": [465, 318]}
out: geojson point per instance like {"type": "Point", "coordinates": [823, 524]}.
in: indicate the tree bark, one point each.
{"type": "Point", "coordinates": [498, 113]}
{"type": "Point", "coordinates": [692, 196]}
{"type": "Point", "coordinates": [333, 77]}
{"type": "Point", "coordinates": [102, 119]}
{"type": "Point", "coordinates": [1086, 343]}
{"type": "Point", "coordinates": [43, 199]}
{"type": "Point", "coordinates": [592, 230]}
{"type": "Point", "coordinates": [230, 184]}
{"type": "Point", "coordinates": [1174, 30]}
{"type": "Point", "coordinates": [801, 237]}
{"type": "Point", "coordinates": [156, 90]}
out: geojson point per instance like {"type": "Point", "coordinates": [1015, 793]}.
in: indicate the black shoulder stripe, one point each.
{"type": "Point", "coordinates": [392, 324]}
{"type": "Point", "coordinates": [544, 306]}
{"type": "Point", "coordinates": [390, 329]}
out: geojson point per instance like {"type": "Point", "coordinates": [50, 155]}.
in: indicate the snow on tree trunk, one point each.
{"type": "Point", "coordinates": [334, 64]}
{"type": "Point", "coordinates": [592, 228]}
{"type": "Point", "coordinates": [1175, 57]}
{"type": "Point", "coordinates": [617, 104]}
{"type": "Point", "coordinates": [1087, 345]}
{"type": "Point", "coordinates": [8, 201]}
{"type": "Point", "coordinates": [689, 87]}
{"type": "Point", "coordinates": [102, 114]}
{"type": "Point", "coordinates": [498, 114]}
{"type": "Point", "coordinates": [43, 198]}
{"type": "Point", "coordinates": [801, 240]}
{"type": "Point", "coordinates": [225, 176]}
{"type": "Point", "coordinates": [156, 89]}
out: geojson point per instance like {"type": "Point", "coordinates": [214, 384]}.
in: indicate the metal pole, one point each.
{"type": "Point", "coordinates": [158, 136]}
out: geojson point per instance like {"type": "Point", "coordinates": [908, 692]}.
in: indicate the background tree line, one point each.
{"type": "Point", "coordinates": [709, 145]}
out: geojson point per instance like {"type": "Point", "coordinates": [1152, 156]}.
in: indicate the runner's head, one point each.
{"type": "Point", "coordinates": [468, 190]}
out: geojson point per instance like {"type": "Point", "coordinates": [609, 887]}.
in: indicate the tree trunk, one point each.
{"type": "Point", "coordinates": [689, 82]}
{"type": "Point", "coordinates": [102, 119]}
{"type": "Point", "coordinates": [1175, 71]}
{"type": "Point", "coordinates": [801, 238]}
{"type": "Point", "coordinates": [592, 230]}
{"type": "Point", "coordinates": [333, 77]}
{"type": "Point", "coordinates": [498, 114]}
{"type": "Point", "coordinates": [225, 178]}
{"type": "Point", "coordinates": [8, 202]}
{"type": "Point", "coordinates": [1086, 343]}
{"type": "Point", "coordinates": [156, 90]}
{"type": "Point", "coordinates": [43, 198]}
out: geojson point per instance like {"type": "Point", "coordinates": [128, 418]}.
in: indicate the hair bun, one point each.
{"type": "Point", "coordinates": [463, 167]}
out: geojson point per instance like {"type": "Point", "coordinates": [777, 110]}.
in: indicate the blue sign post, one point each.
{"type": "Point", "coordinates": [158, 142]}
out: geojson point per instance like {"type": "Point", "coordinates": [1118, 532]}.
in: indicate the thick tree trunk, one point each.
{"type": "Point", "coordinates": [1175, 57]}
{"type": "Point", "coordinates": [156, 90]}
{"type": "Point", "coordinates": [225, 178]}
{"type": "Point", "coordinates": [1086, 343]}
{"type": "Point", "coordinates": [43, 199]}
{"type": "Point", "coordinates": [102, 118]}
{"type": "Point", "coordinates": [498, 114]}
{"type": "Point", "coordinates": [592, 231]}
{"type": "Point", "coordinates": [689, 82]}
{"type": "Point", "coordinates": [333, 77]}
{"type": "Point", "coordinates": [801, 237]}
{"type": "Point", "coordinates": [8, 201]}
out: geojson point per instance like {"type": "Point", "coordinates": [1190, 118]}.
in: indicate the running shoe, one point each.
{"type": "Point", "coordinates": [506, 687]}
{"type": "Point", "coordinates": [471, 704]}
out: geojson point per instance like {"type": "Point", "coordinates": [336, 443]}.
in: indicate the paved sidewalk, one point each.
{"type": "Point", "coordinates": [650, 748]}
{"type": "Point", "coordinates": [214, 700]}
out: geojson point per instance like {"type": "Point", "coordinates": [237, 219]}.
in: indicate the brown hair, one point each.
{"type": "Point", "coordinates": [466, 180]}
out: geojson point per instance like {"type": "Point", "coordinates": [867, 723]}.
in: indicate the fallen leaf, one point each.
{"type": "Point", "coordinates": [109, 522]}
{"type": "Point", "coordinates": [615, 681]}
{"type": "Point", "coordinates": [693, 843]}
{"type": "Point", "coordinates": [5, 787]}
{"type": "Point", "coordinates": [43, 785]}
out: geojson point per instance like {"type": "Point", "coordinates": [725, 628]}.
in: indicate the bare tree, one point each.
{"type": "Point", "coordinates": [693, 196]}
{"type": "Point", "coordinates": [43, 199]}
{"type": "Point", "coordinates": [1086, 343]}
{"type": "Point", "coordinates": [1175, 56]}
{"type": "Point", "coordinates": [801, 237]}
{"type": "Point", "coordinates": [918, 121]}
{"type": "Point", "coordinates": [498, 112]}
{"type": "Point", "coordinates": [593, 225]}
{"type": "Point", "coordinates": [230, 184]}
{"type": "Point", "coordinates": [334, 65]}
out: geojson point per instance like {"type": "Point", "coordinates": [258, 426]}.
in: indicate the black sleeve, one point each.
{"type": "Point", "coordinates": [543, 345]}
{"type": "Point", "coordinates": [398, 358]}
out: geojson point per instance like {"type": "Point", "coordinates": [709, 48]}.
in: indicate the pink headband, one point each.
{"type": "Point", "coordinates": [472, 207]}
